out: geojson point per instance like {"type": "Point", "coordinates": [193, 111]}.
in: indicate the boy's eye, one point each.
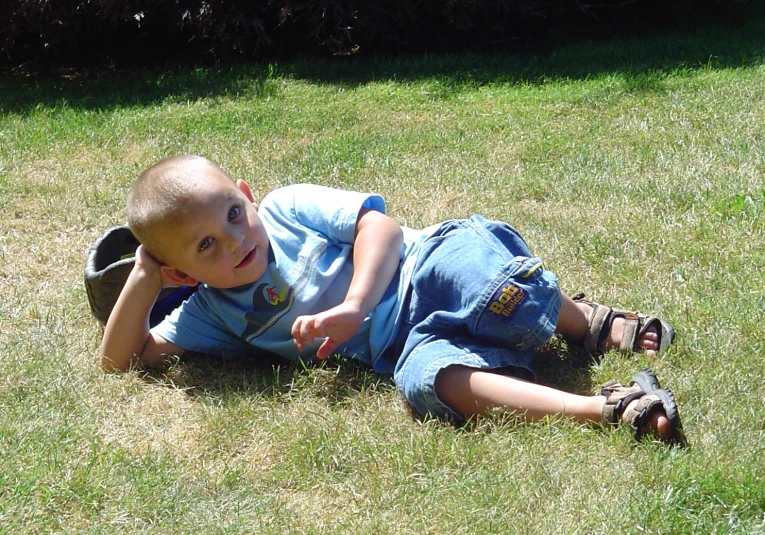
{"type": "Point", "coordinates": [235, 210]}
{"type": "Point", "coordinates": [205, 243]}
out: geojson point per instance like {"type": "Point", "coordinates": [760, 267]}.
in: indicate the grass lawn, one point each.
{"type": "Point", "coordinates": [634, 168]}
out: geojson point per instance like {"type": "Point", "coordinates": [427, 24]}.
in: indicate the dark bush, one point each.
{"type": "Point", "coordinates": [127, 32]}
{"type": "Point", "coordinates": [131, 31]}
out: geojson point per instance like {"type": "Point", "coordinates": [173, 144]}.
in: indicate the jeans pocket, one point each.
{"type": "Point", "coordinates": [519, 310]}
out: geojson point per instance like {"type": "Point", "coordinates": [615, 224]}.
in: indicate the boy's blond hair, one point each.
{"type": "Point", "coordinates": [159, 195]}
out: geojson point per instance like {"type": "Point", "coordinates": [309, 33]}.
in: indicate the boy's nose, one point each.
{"type": "Point", "coordinates": [235, 240]}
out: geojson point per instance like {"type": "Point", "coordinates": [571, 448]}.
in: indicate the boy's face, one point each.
{"type": "Point", "coordinates": [220, 239]}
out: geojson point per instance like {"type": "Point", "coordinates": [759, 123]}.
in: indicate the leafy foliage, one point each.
{"type": "Point", "coordinates": [41, 32]}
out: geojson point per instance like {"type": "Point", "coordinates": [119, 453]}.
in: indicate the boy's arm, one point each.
{"type": "Point", "coordinates": [376, 256]}
{"type": "Point", "coordinates": [127, 340]}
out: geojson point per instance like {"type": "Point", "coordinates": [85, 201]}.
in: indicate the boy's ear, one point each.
{"type": "Point", "coordinates": [177, 277]}
{"type": "Point", "coordinates": [245, 188]}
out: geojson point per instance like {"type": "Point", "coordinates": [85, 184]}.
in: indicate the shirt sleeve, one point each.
{"type": "Point", "coordinates": [195, 326]}
{"type": "Point", "coordinates": [329, 211]}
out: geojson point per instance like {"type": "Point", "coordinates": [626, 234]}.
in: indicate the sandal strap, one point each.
{"type": "Point", "coordinates": [618, 397]}
{"type": "Point", "coordinates": [598, 327]}
{"type": "Point", "coordinates": [632, 329]}
{"type": "Point", "coordinates": [636, 325]}
{"type": "Point", "coordinates": [638, 417]}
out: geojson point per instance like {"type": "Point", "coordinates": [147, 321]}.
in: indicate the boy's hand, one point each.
{"type": "Point", "coordinates": [337, 325]}
{"type": "Point", "coordinates": [150, 267]}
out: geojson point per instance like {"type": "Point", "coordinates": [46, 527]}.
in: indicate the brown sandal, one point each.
{"type": "Point", "coordinates": [618, 397]}
{"type": "Point", "coordinates": [635, 326]}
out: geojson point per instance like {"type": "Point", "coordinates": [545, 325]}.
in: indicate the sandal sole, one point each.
{"type": "Point", "coordinates": [646, 380]}
{"type": "Point", "coordinates": [676, 433]}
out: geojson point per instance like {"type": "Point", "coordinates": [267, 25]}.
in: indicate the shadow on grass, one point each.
{"type": "Point", "coordinates": [564, 367]}
{"type": "Point", "coordinates": [205, 377]}
{"type": "Point", "coordinates": [730, 41]}
{"type": "Point", "coordinates": [337, 380]}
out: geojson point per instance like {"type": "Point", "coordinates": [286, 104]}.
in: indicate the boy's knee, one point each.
{"type": "Point", "coordinates": [453, 389]}
{"type": "Point", "coordinates": [451, 380]}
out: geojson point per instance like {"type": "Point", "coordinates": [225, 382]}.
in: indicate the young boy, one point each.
{"type": "Point", "coordinates": [452, 311]}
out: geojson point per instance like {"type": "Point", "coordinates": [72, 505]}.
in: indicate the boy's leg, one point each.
{"type": "Point", "coordinates": [573, 320]}
{"type": "Point", "coordinates": [473, 392]}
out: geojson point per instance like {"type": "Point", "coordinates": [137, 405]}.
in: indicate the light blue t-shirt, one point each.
{"type": "Point", "coordinates": [311, 231]}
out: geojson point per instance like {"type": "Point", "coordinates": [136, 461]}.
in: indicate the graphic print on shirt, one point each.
{"type": "Point", "coordinates": [271, 301]}
{"type": "Point", "coordinates": [272, 296]}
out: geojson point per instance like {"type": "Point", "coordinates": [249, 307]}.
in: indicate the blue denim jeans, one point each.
{"type": "Point", "coordinates": [478, 299]}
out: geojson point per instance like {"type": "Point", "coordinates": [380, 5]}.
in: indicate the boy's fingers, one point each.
{"type": "Point", "coordinates": [297, 332]}
{"type": "Point", "coordinates": [306, 329]}
{"type": "Point", "coordinates": [326, 349]}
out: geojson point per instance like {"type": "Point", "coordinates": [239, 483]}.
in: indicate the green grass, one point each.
{"type": "Point", "coordinates": [634, 168]}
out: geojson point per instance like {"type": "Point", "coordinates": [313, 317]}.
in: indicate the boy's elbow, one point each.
{"type": "Point", "coordinates": [397, 234]}
{"type": "Point", "coordinates": [393, 229]}
{"type": "Point", "coordinates": [108, 365]}
{"type": "Point", "coordinates": [113, 360]}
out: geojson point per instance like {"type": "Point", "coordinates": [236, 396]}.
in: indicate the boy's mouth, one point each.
{"type": "Point", "coordinates": [247, 260]}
